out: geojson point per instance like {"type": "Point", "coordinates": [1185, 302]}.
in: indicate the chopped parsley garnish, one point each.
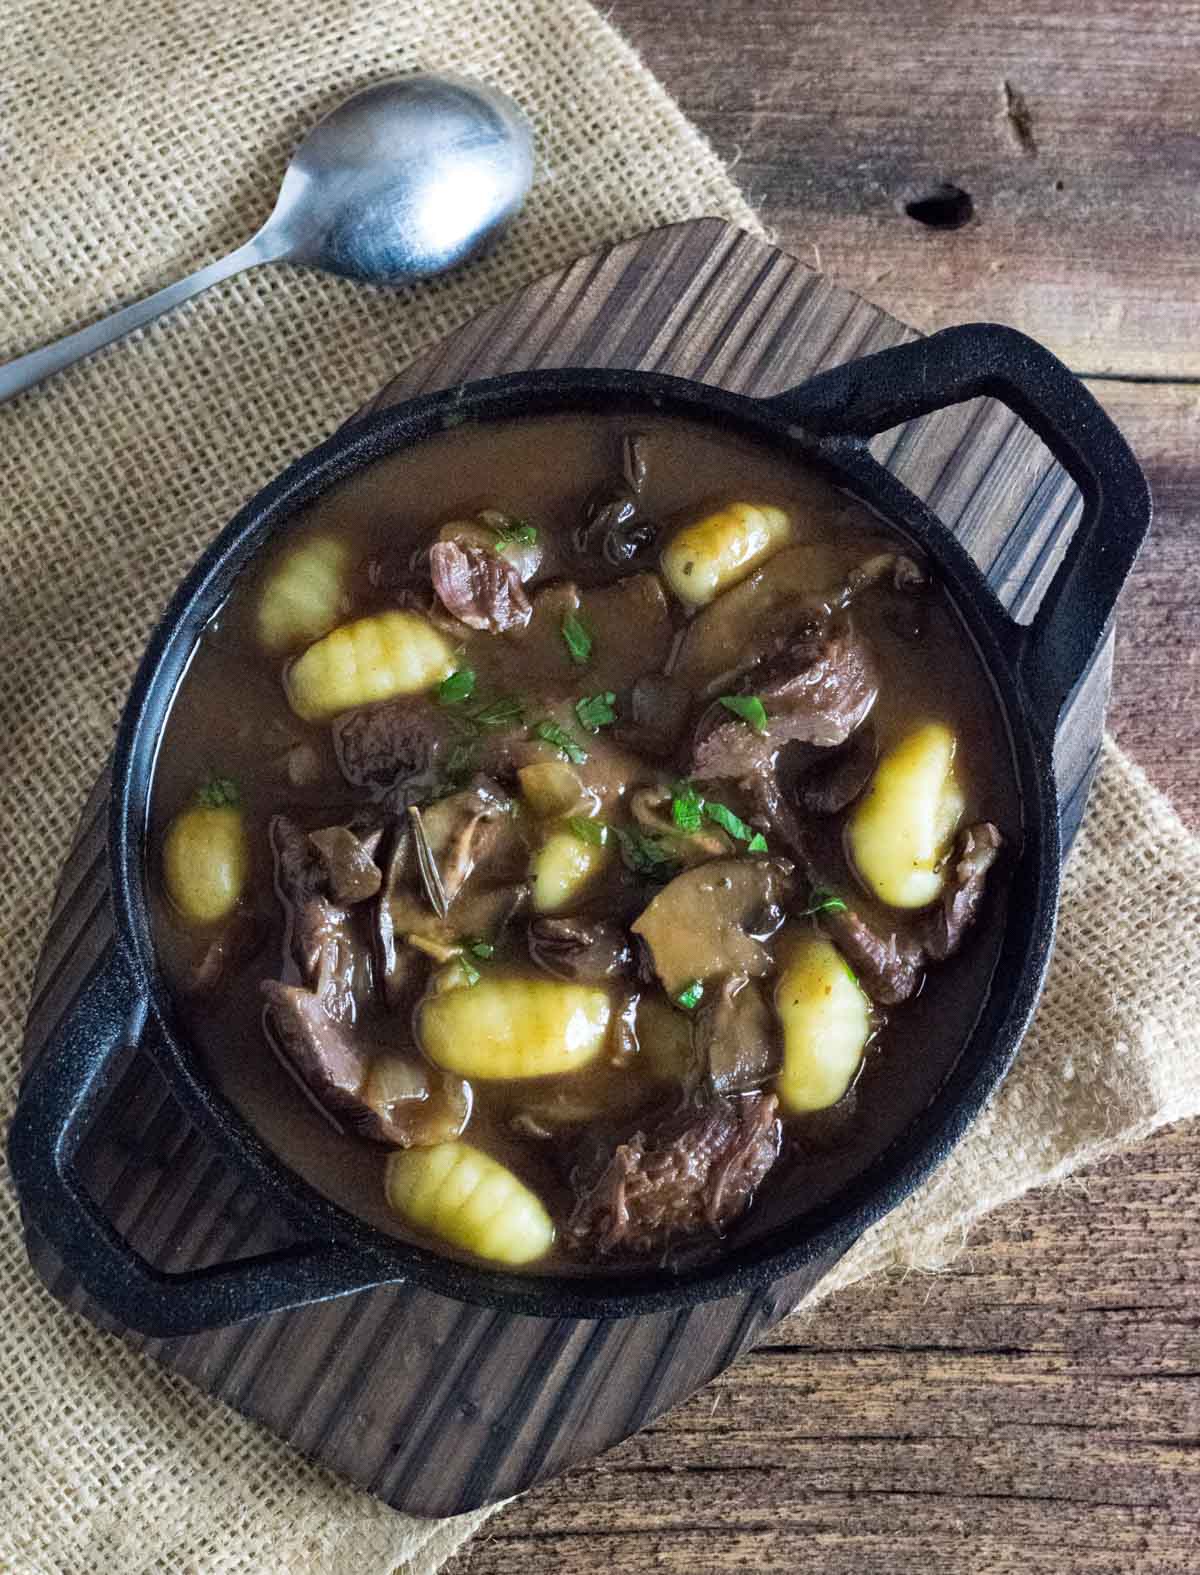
{"type": "Point", "coordinates": [687, 808]}
{"type": "Point", "coordinates": [596, 711]}
{"type": "Point", "coordinates": [495, 713]}
{"type": "Point", "coordinates": [750, 708]}
{"type": "Point", "coordinates": [593, 831]}
{"type": "Point", "coordinates": [219, 793]}
{"type": "Point", "coordinates": [514, 529]}
{"type": "Point", "coordinates": [728, 821]}
{"type": "Point", "coordinates": [470, 972]}
{"type": "Point", "coordinates": [458, 687]}
{"type": "Point", "coordinates": [646, 855]}
{"type": "Point", "coordinates": [689, 998]}
{"type": "Point", "coordinates": [550, 733]}
{"type": "Point", "coordinates": [481, 949]}
{"type": "Point", "coordinates": [821, 901]}
{"type": "Point", "coordinates": [578, 638]}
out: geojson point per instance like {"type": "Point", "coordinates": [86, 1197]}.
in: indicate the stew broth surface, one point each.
{"type": "Point", "coordinates": [231, 720]}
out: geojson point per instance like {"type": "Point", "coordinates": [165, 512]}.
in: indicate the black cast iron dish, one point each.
{"type": "Point", "coordinates": [826, 423]}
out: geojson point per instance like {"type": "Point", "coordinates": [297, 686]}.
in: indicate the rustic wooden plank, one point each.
{"type": "Point", "coordinates": [834, 115]}
{"type": "Point", "coordinates": [478, 1406]}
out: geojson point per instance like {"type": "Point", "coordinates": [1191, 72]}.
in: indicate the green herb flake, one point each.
{"type": "Point", "coordinates": [596, 711]}
{"type": "Point", "coordinates": [690, 997]}
{"type": "Point", "coordinates": [593, 831]}
{"type": "Point", "coordinates": [219, 793]}
{"type": "Point", "coordinates": [749, 708]}
{"type": "Point", "coordinates": [481, 949]}
{"type": "Point", "coordinates": [550, 733]}
{"type": "Point", "coordinates": [687, 808]}
{"type": "Point", "coordinates": [498, 712]}
{"type": "Point", "coordinates": [470, 973]}
{"type": "Point", "coordinates": [821, 901]}
{"type": "Point", "coordinates": [757, 843]}
{"type": "Point", "coordinates": [510, 528]}
{"type": "Point", "coordinates": [458, 687]}
{"type": "Point", "coordinates": [578, 638]}
{"type": "Point", "coordinates": [728, 821]}
{"type": "Point", "coordinates": [646, 855]}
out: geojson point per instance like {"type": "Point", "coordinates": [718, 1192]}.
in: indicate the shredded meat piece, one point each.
{"type": "Point", "coordinates": [383, 1096]}
{"type": "Point", "coordinates": [890, 966]}
{"type": "Point", "coordinates": [479, 587]}
{"type": "Point", "coordinates": [695, 1170]}
{"type": "Point", "coordinates": [320, 938]}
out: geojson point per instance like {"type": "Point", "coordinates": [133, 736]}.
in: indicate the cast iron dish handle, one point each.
{"type": "Point", "coordinates": [879, 391]}
{"type": "Point", "coordinates": [58, 1097]}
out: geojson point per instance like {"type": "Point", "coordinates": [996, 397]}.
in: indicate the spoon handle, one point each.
{"type": "Point", "coordinates": [27, 370]}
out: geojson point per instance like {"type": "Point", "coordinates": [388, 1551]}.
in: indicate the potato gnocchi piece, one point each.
{"type": "Point", "coordinates": [902, 829]}
{"type": "Point", "coordinates": [704, 559]}
{"type": "Point", "coordinates": [206, 862]}
{"type": "Point", "coordinates": [305, 596]}
{"type": "Point", "coordinates": [470, 1200]}
{"type": "Point", "coordinates": [375, 658]}
{"type": "Point", "coordinates": [563, 867]}
{"type": "Point", "coordinates": [826, 1024]}
{"type": "Point", "coordinates": [509, 1025]}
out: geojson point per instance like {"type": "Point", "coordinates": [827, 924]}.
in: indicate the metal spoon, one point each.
{"type": "Point", "coordinates": [403, 180]}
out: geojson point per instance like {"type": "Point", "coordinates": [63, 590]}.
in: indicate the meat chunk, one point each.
{"type": "Point", "coordinates": [889, 965]}
{"type": "Point", "coordinates": [975, 851]}
{"type": "Point", "coordinates": [398, 749]}
{"type": "Point", "coordinates": [816, 692]}
{"type": "Point", "coordinates": [351, 873]}
{"type": "Point", "coordinates": [695, 1171]}
{"type": "Point", "coordinates": [320, 938]}
{"type": "Point", "coordinates": [586, 951]}
{"type": "Point", "coordinates": [383, 1096]}
{"type": "Point", "coordinates": [479, 587]}
{"type": "Point", "coordinates": [836, 780]}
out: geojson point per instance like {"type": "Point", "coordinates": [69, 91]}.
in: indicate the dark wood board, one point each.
{"type": "Point", "coordinates": [478, 1406]}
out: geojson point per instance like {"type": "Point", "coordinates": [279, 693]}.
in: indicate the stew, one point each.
{"type": "Point", "coordinates": [581, 842]}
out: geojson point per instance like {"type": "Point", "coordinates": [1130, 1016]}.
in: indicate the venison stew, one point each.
{"type": "Point", "coordinates": [583, 841]}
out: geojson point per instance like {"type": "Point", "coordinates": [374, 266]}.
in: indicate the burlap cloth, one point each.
{"type": "Point", "coordinates": [137, 141]}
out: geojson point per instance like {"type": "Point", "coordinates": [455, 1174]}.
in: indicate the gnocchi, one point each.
{"type": "Point", "coordinates": [704, 559]}
{"type": "Point", "coordinates": [553, 789]}
{"type": "Point", "coordinates": [563, 867]}
{"type": "Point", "coordinates": [826, 1022]}
{"type": "Point", "coordinates": [304, 596]}
{"type": "Point", "coordinates": [901, 831]}
{"type": "Point", "coordinates": [375, 658]}
{"type": "Point", "coordinates": [470, 1200]}
{"type": "Point", "coordinates": [206, 861]}
{"type": "Point", "coordinates": [508, 1025]}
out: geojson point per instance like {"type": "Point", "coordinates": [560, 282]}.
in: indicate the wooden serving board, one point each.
{"type": "Point", "coordinates": [435, 1406]}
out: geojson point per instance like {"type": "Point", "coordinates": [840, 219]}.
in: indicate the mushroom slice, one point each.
{"type": "Point", "coordinates": [712, 920]}
{"type": "Point", "coordinates": [737, 1036]}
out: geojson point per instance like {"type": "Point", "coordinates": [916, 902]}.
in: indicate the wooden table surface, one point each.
{"type": "Point", "coordinates": [1036, 1408]}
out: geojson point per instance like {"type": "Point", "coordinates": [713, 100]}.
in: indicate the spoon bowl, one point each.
{"type": "Point", "coordinates": [405, 179]}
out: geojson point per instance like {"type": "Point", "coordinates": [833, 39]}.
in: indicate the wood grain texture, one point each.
{"type": "Point", "coordinates": [1036, 1408]}
{"type": "Point", "coordinates": [477, 1406]}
